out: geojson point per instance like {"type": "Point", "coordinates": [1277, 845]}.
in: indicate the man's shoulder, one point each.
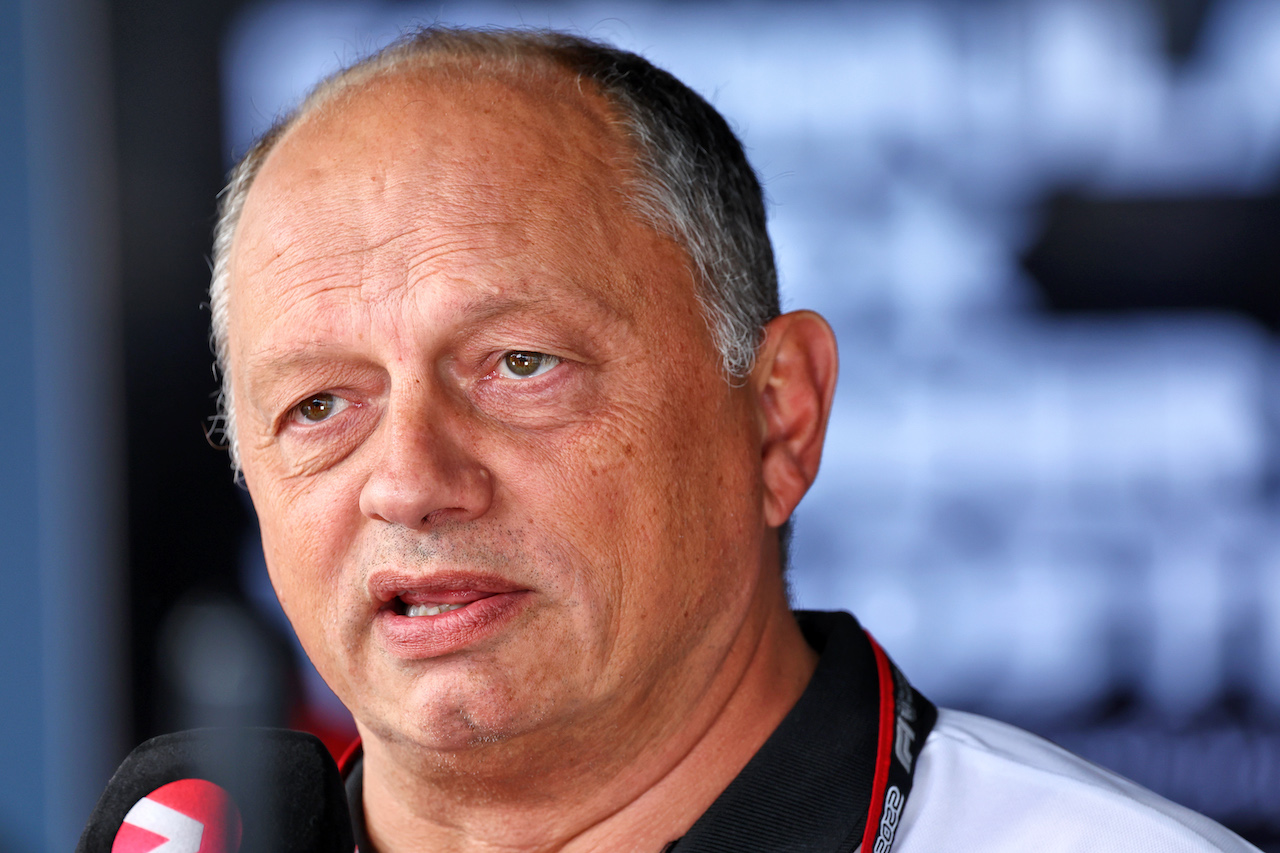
{"type": "Point", "coordinates": [983, 784]}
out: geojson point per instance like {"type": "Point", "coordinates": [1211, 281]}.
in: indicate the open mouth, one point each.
{"type": "Point", "coordinates": [427, 619]}
{"type": "Point", "coordinates": [419, 604]}
{"type": "Point", "coordinates": [426, 609]}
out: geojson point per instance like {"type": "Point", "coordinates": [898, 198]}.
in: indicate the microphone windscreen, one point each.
{"type": "Point", "coordinates": [284, 785]}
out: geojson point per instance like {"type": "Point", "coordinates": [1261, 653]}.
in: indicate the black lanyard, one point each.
{"type": "Point", "coordinates": [905, 720]}
{"type": "Point", "coordinates": [836, 773]}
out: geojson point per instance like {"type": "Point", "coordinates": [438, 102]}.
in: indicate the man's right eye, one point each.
{"type": "Point", "coordinates": [318, 407]}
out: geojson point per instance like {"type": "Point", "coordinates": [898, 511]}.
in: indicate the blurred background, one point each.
{"type": "Point", "coordinates": [1046, 231]}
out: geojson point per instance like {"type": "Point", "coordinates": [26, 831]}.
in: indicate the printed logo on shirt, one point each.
{"type": "Point", "coordinates": [902, 698]}
{"type": "Point", "coordinates": [893, 801]}
{"type": "Point", "coordinates": [902, 743]}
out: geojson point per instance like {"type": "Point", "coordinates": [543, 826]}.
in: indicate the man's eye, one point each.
{"type": "Point", "coordinates": [318, 408]}
{"type": "Point", "coordinates": [524, 365]}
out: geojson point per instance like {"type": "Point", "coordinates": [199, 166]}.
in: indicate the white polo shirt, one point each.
{"type": "Point", "coordinates": [983, 785]}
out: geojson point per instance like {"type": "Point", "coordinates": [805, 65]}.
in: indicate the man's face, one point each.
{"type": "Point", "coordinates": [504, 488]}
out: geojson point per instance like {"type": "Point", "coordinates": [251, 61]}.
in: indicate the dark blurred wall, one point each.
{"type": "Point", "coordinates": [63, 678]}
{"type": "Point", "coordinates": [186, 516]}
{"type": "Point", "coordinates": [21, 809]}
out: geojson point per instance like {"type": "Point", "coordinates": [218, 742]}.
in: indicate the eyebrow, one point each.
{"type": "Point", "coordinates": [481, 309]}
{"type": "Point", "coordinates": [280, 359]}
{"type": "Point", "coordinates": [265, 368]}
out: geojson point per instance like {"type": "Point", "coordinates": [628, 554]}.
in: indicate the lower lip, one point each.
{"type": "Point", "coordinates": [419, 637]}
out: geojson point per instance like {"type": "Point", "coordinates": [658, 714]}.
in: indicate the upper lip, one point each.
{"type": "Point", "coordinates": [450, 587]}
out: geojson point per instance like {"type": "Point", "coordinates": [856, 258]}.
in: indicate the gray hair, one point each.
{"type": "Point", "coordinates": [692, 180]}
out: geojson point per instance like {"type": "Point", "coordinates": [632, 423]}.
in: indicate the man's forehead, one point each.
{"type": "Point", "coordinates": [464, 155]}
{"type": "Point", "coordinates": [441, 117]}
{"type": "Point", "coordinates": [433, 178]}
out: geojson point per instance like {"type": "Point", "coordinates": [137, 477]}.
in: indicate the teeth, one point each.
{"type": "Point", "coordinates": [431, 609]}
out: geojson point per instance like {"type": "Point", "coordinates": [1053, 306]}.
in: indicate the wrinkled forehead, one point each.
{"type": "Point", "coordinates": [450, 195]}
{"type": "Point", "coordinates": [458, 151]}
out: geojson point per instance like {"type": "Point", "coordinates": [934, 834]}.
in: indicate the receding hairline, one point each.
{"type": "Point", "coordinates": [545, 81]}
{"type": "Point", "coordinates": [534, 71]}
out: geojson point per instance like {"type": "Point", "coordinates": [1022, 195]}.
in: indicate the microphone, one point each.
{"type": "Point", "coordinates": [223, 791]}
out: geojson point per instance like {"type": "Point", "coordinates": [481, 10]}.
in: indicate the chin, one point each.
{"type": "Point", "coordinates": [460, 717]}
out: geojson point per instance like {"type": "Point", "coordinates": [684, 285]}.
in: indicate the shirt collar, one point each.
{"type": "Point", "coordinates": [809, 785]}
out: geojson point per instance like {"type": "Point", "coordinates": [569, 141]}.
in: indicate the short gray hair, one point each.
{"type": "Point", "coordinates": [692, 180]}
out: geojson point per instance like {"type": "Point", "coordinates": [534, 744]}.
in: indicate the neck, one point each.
{"type": "Point", "coordinates": [653, 797]}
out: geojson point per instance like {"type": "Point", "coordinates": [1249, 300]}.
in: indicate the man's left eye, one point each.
{"type": "Point", "coordinates": [521, 364]}
{"type": "Point", "coordinates": [317, 408]}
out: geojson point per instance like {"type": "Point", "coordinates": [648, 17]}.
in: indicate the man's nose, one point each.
{"type": "Point", "coordinates": [426, 470]}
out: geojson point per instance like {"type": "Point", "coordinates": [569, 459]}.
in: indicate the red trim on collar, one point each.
{"type": "Point", "coordinates": [884, 750]}
{"type": "Point", "coordinates": [349, 757]}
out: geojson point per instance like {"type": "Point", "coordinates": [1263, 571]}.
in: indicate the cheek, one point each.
{"type": "Point", "coordinates": [306, 527]}
{"type": "Point", "coordinates": [658, 495]}
{"type": "Point", "coordinates": [304, 565]}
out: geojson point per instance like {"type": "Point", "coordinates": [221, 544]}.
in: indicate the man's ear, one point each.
{"type": "Point", "coordinates": [794, 379]}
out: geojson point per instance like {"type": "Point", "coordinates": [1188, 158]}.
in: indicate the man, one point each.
{"type": "Point", "coordinates": [506, 376]}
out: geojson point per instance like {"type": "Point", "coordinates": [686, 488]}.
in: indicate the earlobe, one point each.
{"type": "Point", "coordinates": [795, 381]}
